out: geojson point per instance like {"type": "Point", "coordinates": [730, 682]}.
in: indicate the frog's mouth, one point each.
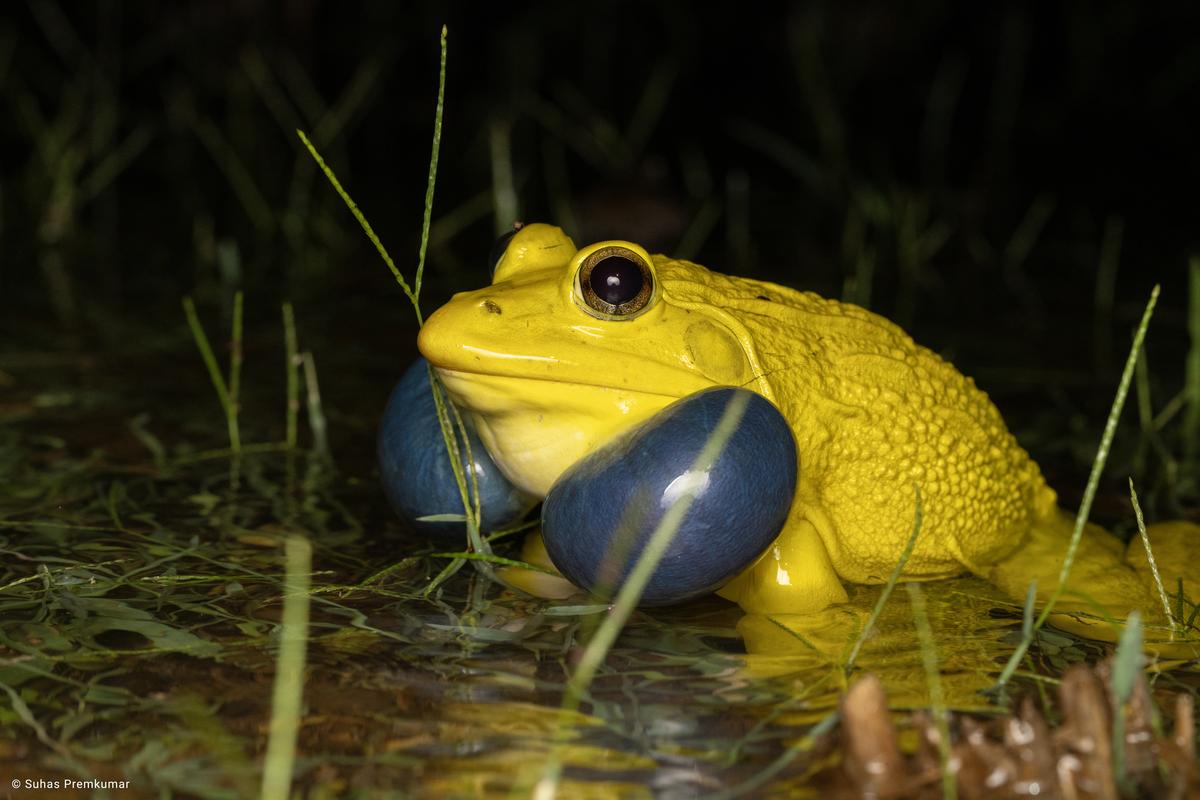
{"type": "Point", "coordinates": [487, 333]}
{"type": "Point", "coordinates": [535, 428]}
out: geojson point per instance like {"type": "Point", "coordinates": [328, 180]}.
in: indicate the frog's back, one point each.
{"type": "Point", "coordinates": [875, 415]}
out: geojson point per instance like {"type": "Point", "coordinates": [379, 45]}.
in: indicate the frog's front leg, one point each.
{"type": "Point", "coordinates": [794, 575]}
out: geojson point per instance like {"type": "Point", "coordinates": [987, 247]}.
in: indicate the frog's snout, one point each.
{"type": "Point", "coordinates": [468, 314]}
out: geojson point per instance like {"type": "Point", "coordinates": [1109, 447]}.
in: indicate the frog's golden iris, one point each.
{"type": "Point", "coordinates": [614, 283]}
{"type": "Point", "coordinates": [547, 375]}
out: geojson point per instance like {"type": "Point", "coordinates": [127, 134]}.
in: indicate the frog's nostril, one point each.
{"type": "Point", "coordinates": [491, 307]}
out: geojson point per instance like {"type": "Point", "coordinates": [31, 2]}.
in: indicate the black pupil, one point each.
{"type": "Point", "coordinates": [616, 280]}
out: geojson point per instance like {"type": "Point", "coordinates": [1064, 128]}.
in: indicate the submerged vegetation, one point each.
{"type": "Point", "coordinates": [161, 555]}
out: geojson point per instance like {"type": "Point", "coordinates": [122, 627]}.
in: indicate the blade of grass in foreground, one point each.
{"type": "Point", "coordinates": [918, 516]}
{"type": "Point", "coordinates": [631, 591]}
{"type": "Point", "coordinates": [933, 679]}
{"type": "Point", "coordinates": [447, 415]}
{"type": "Point", "coordinates": [1126, 665]}
{"type": "Point", "coordinates": [287, 697]}
{"type": "Point", "coordinates": [1158, 583]}
{"type": "Point", "coordinates": [1089, 494]}
{"type": "Point", "coordinates": [413, 292]}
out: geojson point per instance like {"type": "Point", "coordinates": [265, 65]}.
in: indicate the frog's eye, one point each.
{"type": "Point", "coordinates": [615, 282]}
{"type": "Point", "coordinates": [500, 246]}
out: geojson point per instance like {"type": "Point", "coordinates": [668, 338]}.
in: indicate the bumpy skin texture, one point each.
{"type": "Point", "coordinates": [874, 414]}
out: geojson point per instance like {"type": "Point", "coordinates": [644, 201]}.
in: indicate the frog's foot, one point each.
{"type": "Point", "coordinates": [538, 584]}
{"type": "Point", "coordinates": [1176, 548]}
{"type": "Point", "coordinates": [1104, 585]}
{"type": "Point", "coordinates": [1100, 582]}
{"type": "Point", "coordinates": [794, 576]}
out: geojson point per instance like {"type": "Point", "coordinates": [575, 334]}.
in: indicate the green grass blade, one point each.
{"type": "Point", "coordinates": [933, 678]}
{"type": "Point", "coordinates": [288, 695]}
{"type": "Point", "coordinates": [1089, 494]}
{"type": "Point", "coordinates": [433, 164]}
{"type": "Point", "coordinates": [494, 559]}
{"type": "Point", "coordinates": [893, 579]}
{"type": "Point", "coordinates": [1158, 583]}
{"type": "Point", "coordinates": [214, 372]}
{"type": "Point", "coordinates": [1126, 665]}
{"type": "Point", "coordinates": [1027, 615]}
{"type": "Point", "coordinates": [631, 591]}
{"type": "Point", "coordinates": [362, 221]}
{"type": "Point", "coordinates": [1110, 430]}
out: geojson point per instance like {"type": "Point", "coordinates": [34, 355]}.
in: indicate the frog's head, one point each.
{"type": "Point", "coordinates": [568, 347]}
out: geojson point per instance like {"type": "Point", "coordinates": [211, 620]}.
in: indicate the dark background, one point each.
{"type": "Point", "coordinates": [1005, 180]}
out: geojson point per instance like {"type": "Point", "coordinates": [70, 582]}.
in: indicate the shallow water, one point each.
{"type": "Point", "coordinates": [140, 594]}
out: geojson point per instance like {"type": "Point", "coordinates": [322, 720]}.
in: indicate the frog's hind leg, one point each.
{"type": "Point", "coordinates": [1100, 582]}
{"type": "Point", "coordinates": [1176, 548]}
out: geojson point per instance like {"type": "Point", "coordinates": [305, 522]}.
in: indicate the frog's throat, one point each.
{"type": "Point", "coordinates": [534, 429]}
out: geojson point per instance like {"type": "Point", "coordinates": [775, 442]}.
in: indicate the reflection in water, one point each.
{"type": "Point", "coordinates": [677, 705]}
{"type": "Point", "coordinates": [454, 694]}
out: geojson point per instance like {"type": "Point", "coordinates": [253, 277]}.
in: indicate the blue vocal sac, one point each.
{"type": "Point", "coordinates": [599, 516]}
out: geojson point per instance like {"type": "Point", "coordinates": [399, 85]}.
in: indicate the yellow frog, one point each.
{"type": "Point", "coordinates": [569, 347]}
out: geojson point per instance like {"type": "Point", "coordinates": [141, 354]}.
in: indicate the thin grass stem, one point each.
{"type": "Point", "coordinates": [933, 678]}
{"type": "Point", "coordinates": [474, 513]}
{"type": "Point", "coordinates": [893, 579]}
{"type": "Point", "coordinates": [214, 373]}
{"type": "Point", "coordinates": [288, 694]}
{"type": "Point", "coordinates": [362, 221]}
{"type": "Point", "coordinates": [631, 591]}
{"type": "Point", "coordinates": [433, 164]}
{"type": "Point", "coordinates": [1089, 494]}
{"type": "Point", "coordinates": [1158, 583]}
{"type": "Point", "coordinates": [444, 575]}
{"type": "Point", "coordinates": [1126, 666]}
{"type": "Point", "coordinates": [489, 558]}
{"type": "Point", "coordinates": [1110, 430]}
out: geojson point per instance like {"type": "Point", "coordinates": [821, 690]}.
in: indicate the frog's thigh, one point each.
{"type": "Point", "coordinates": [1098, 573]}
{"type": "Point", "coordinates": [794, 576]}
{"type": "Point", "coordinates": [1176, 547]}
